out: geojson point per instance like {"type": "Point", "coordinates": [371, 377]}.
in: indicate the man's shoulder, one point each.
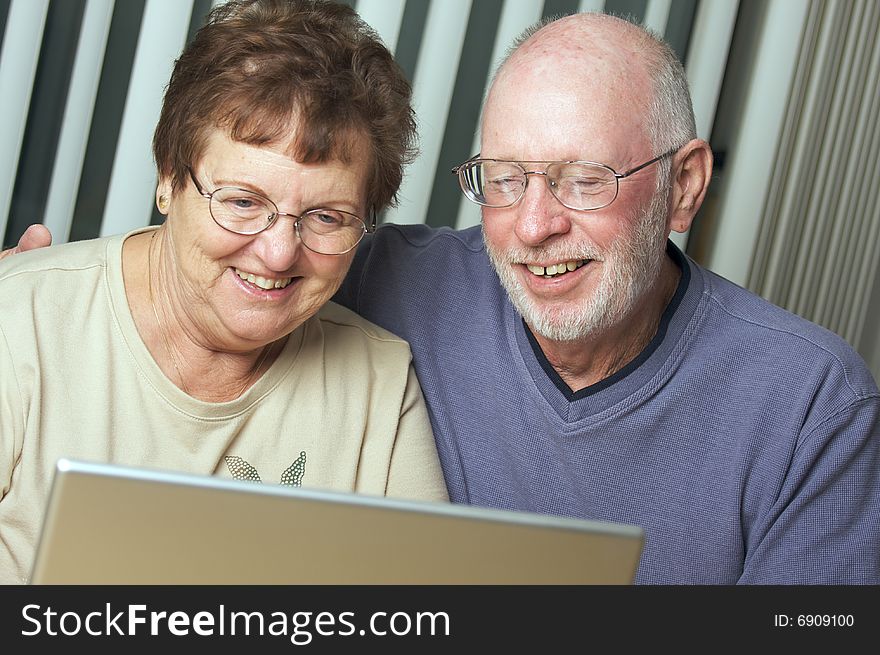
{"type": "Point", "coordinates": [747, 318]}
{"type": "Point", "coordinates": [420, 237]}
{"type": "Point", "coordinates": [755, 312]}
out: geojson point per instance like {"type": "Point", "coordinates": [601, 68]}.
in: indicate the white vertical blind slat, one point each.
{"type": "Point", "coordinates": [591, 5]}
{"type": "Point", "coordinates": [827, 294]}
{"type": "Point", "coordinates": [516, 16]}
{"type": "Point", "coordinates": [132, 182]}
{"type": "Point", "coordinates": [384, 16]}
{"type": "Point", "coordinates": [753, 152]}
{"type": "Point", "coordinates": [707, 58]}
{"type": "Point", "coordinates": [436, 69]}
{"type": "Point", "coordinates": [706, 61]}
{"type": "Point", "coordinates": [809, 264]}
{"type": "Point", "coordinates": [78, 111]}
{"type": "Point", "coordinates": [657, 15]}
{"type": "Point", "coordinates": [18, 65]}
{"type": "Point", "coordinates": [774, 258]}
{"type": "Point", "coordinates": [858, 163]}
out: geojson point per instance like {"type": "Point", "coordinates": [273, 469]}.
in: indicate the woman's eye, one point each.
{"type": "Point", "coordinates": [246, 206]}
{"type": "Point", "coordinates": [327, 218]}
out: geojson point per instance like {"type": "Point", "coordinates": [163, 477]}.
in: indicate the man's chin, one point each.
{"type": "Point", "coordinates": [569, 323]}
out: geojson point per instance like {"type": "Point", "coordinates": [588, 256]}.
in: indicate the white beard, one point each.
{"type": "Point", "coordinates": [630, 267]}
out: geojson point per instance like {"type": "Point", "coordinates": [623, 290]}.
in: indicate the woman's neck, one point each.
{"type": "Point", "coordinates": [184, 353]}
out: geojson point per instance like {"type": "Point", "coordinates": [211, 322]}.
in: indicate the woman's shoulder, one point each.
{"type": "Point", "coordinates": [45, 285]}
{"type": "Point", "coordinates": [338, 319]}
{"type": "Point", "coordinates": [77, 255]}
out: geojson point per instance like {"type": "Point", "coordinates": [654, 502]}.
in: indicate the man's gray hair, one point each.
{"type": "Point", "coordinates": [671, 122]}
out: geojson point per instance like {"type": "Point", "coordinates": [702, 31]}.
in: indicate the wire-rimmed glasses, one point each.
{"type": "Point", "coordinates": [578, 185]}
{"type": "Point", "coordinates": [324, 231]}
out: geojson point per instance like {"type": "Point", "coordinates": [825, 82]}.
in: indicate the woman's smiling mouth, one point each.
{"type": "Point", "coordinates": [263, 282]}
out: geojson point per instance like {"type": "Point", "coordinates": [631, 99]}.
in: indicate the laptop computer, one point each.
{"type": "Point", "coordinates": [109, 524]}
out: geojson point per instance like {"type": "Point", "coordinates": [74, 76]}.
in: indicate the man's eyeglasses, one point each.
{"type": "Point", "coordinates": [324, 231]}
{"type": "Point", "coordinates": [579, 185]}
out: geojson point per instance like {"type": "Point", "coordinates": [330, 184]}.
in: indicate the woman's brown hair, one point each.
{"type": "Point", "coordinates": [259, 69]}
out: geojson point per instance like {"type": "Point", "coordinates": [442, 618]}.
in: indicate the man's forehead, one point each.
{"type": "Point", "coordinates": [578, 87]}
{"type": "Point", "coordinates": [564, 108]}
{"type": "Point", "coordinates": [577, 60]}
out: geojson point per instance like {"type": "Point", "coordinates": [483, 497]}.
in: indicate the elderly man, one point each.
{"type": "Point", "coordinates": [576, 363]}
{"type": "Point", "coordinates": [607, 376]}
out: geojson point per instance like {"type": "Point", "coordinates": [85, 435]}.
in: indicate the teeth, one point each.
{"type": "Point", "coordinates": [262, 282]}
{"type": "Point", "coordinates": [556, 269]}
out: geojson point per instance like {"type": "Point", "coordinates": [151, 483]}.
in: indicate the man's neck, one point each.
{"type": "Point", "coordinates": [585, 362]}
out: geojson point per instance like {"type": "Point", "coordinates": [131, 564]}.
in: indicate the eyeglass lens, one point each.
{"type": "Point", "coordinates": [576, 185]}
{"type": "Point", "coordinates": [325, 231]}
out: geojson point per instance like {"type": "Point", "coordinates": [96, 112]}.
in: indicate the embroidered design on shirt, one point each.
{"type": "Point", "coordinates": [241, 470]}
{"type": "Point", "coordinates": [295, 472]}
{"type": "Point", "coordinates": [292, 476]}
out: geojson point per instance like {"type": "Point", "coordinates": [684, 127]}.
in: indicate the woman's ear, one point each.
{"type": "Point", "coordinates": [691, 174]}
{"type": "Point", "coordinates": [163, 196]}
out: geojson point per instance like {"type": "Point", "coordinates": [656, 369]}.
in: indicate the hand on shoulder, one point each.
{"type": "Point", "coordinates": [36, 236]}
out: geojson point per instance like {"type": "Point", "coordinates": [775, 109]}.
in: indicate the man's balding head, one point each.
{"type": "Point", "coordinates": [604, 63]}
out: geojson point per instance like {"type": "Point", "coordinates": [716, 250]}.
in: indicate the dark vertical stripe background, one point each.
{"type": "Point", "coordinates": [197, 18]}
{"type": "Point", "coordinates": [107, 119]}
{"type": "Point", "coordinates": [45, 116]}
{"type": "Point", "coordinates": [464, 110]}
{"type": "Point", "coordinates": [682, 14]}
{"type": "Point", "coordinates": [556, 8]}
{"type": "Point", "coordinates": [632, 10]}
{"type": "Point", "coordinates": [4, 13]}
{"type": "Point", "coordinates": [412, 28]}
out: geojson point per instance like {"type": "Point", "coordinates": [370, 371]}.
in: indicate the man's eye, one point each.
{"type": "Point", "coordinates": [587, 181]}
{"type": "Point", "coordinates": [504, 182]}
{"type": "Point", "coordinates": [583, 184]}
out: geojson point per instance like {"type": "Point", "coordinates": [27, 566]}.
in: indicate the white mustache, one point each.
{"type": "Point", "coordinates": [552, 254]}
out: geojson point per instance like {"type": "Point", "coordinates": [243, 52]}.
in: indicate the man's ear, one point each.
{"type": "Point", "coordinates": [691, 173]}
{"type": "Point", "coordinates": [163, 195]}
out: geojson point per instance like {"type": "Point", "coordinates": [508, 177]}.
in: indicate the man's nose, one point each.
{"type": "Point", "coordinates": [540, 216]}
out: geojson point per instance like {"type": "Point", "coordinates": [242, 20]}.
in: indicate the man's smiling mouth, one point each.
{"type": "Point", "coordinates": [554, 270]}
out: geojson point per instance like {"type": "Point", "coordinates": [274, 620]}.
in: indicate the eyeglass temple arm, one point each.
{"type": "Point", "coordinates": [198, 186]}
{"type": "Point", "coordinates": [620, 176]}
{"type": "Point", "coordinates": [457, 169]}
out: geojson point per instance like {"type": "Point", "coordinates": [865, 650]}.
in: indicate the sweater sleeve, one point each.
{"type": "Point", "coordinates": [414, 471]}
{"type": "Point", "coordinates": [825, 525]}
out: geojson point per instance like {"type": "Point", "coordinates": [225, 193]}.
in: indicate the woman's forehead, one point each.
{"type": "Point", "coordinates": [272, 170]}
{"type": "Point", "coordinates": [222, 151]}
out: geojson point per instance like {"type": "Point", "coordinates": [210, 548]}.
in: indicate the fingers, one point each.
{"type": "Point", "coordinates": [36, 236]}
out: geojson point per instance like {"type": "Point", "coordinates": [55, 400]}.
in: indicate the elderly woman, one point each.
{"type": "Point", "coordinates": [209, 345]}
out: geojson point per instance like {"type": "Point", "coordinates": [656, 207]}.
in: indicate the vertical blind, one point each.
{"type": "Point", "coordinates": [83, 83]}
{"type": "Point", "coordinates": [818, 249]}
